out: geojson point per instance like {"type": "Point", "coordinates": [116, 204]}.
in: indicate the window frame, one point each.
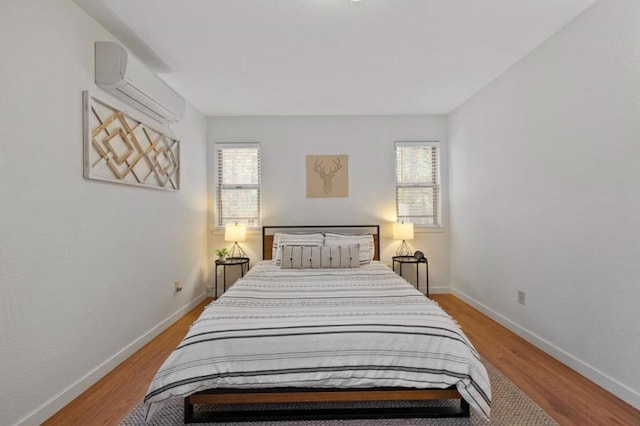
{"type": "Point", "coordinates": [436, 184]}
{"type": "Point", "coordinates": [219, 187]}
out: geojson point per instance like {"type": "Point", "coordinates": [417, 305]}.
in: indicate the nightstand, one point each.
{"type": "Point", "coordinates": [402, 260]}
{"type": "Point", "coordinates": [242, 262]}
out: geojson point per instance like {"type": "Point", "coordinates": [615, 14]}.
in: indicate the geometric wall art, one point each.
{"type": "Point", "coordinates": [327, 176]}
{"type": "Point", "coordinates": [122, 149]}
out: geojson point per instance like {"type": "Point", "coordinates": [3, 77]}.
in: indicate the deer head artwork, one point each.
{"type": "Point", "coordinates": [327, 176]}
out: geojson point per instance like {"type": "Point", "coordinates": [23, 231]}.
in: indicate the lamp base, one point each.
{"type": "Point", "coordinates": [236, 251]}
{"type": "Point", "coordinates": [404, 249]}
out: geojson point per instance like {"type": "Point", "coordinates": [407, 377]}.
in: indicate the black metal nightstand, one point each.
{"type": "Point", "coordinates": [401, 260]}
{"type": "Point", "coordinates": [242, 262]}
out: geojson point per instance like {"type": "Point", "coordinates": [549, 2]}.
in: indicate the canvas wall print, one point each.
{"type": "Point", "coordinates": [327, 176]}
{"type": "Point", "coordinates": [122, 149]}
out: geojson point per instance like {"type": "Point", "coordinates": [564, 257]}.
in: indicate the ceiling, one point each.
{"type": "Point", "coordinates": [330, 57]}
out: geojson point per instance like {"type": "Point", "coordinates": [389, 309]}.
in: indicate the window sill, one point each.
{"type": "Point", "coordinates": [250, 231]}
{"type": "Point", "coordinates": [428, 229]}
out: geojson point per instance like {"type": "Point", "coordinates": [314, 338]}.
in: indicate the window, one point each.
{"type": "Point", "coordinates": [418, 183]}
{"type": "Point", "coordinates": [238, 184]}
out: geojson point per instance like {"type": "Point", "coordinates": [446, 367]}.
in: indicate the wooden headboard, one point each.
{"type": "Point", "coordinates": [269, 231]}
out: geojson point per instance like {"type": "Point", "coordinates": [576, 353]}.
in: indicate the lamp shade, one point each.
{"type": "Point", "coordinates": [403, 231]}
{"type": "Point", "coordinates": [235, 232]}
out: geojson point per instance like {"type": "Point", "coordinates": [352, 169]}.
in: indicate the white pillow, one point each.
{"type": "Point", "coordinates": [365, 240]}
{"type": "Point", "coordinates": [305, 257]}
{"type": "Point", "coordinates": [280, 239]}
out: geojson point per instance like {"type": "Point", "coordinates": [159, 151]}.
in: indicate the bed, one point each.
{"type": "Point", "coordinates": [292, 332]}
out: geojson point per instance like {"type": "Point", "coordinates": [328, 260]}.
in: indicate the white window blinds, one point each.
{"type": "Point", "coordinates": [238, 184]}
{"type": "Point", "coordinates": [418, 183]}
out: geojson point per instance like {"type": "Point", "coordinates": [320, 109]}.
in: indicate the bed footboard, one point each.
{"type": "Point", "coordinates": [291, 395]}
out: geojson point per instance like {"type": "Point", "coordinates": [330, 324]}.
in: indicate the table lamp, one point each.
{"type": "Point", "coordinates": [403, 231]}
{"type": "Point", "coordinates": [235, 232]}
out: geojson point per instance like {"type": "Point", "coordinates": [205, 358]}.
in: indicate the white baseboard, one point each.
{"type": "Point", "coordinates": [439, 290]}
{"type": "Point", "coordinates": [607, 382]}
{"type": "Point", "coordinates": [53, 405]}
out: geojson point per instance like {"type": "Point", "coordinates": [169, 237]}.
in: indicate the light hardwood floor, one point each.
{"type": "Point", "coordinates": [567, 396]}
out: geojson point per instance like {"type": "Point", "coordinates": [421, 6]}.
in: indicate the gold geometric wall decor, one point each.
{"type": "Point", "coordinates": [120, 148]}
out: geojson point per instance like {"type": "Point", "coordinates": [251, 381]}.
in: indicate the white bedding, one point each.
{"type": "Point", "coordinates": [325, 328]}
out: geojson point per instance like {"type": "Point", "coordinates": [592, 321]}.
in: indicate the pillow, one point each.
{"type": "Point", "coordinates": [365, 240]}
{"type": "Point", "coordinates": [304, 257]}
{"type": "Point", "coordinates": [280, 239]}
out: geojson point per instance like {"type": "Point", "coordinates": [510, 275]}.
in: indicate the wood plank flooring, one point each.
{"type": "Point", "coordinates": [116, 394]}
{"type": "Point", "coordinates": [567, 396]}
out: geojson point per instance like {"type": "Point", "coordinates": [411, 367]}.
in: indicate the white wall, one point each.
{"type": "Point", "coordinates": [544, 196]}
{"type": "Point", "coordinates": [369, 143]}
{"type": "Point", "coordinates": [86, 268]}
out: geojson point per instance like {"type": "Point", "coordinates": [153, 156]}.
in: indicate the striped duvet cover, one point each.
{"type": "Point", "coordinates": [324, 328]}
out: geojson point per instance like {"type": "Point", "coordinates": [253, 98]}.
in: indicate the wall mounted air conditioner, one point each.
{"type": "Point", "coordinates": [126, 77]}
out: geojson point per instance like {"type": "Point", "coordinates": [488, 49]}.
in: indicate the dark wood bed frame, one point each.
{"type": "Point", "coordinates": [316, 395]}
{"type": "Point", "coordinates": [269, 231]}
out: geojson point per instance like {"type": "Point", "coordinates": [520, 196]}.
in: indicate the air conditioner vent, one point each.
{"type": "Point", "coordinates": [127, 78]}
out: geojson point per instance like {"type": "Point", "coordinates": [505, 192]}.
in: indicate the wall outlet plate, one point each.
{"type": "Point", "coordinates": [521, 295]}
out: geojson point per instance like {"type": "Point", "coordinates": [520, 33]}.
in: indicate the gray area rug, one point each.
{"type": "Point", "coordinates": [510, 407]}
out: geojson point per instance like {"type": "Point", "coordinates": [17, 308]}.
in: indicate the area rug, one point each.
{"type": "Point", "coordinates": [510, 407]}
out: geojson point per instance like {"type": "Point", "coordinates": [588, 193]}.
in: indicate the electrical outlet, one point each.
{"type": "Point", "coordinates": [177, 285]}
{"type": "Point", "coordinates": [521, 295]}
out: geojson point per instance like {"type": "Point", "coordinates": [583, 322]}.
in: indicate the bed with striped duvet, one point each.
{"type": "Point", "coordinates": [322, 328]}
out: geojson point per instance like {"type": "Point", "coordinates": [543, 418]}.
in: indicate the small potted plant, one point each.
{"type": "Point", "coordinates": [222, 253]}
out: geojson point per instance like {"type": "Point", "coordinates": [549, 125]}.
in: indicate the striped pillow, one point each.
{"type": "Point", "coordinates": [281, 239]}
{"type": "Point", "coordinates": [305, 257]}
{"type": "Point", "coordinates": [365, 240]}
